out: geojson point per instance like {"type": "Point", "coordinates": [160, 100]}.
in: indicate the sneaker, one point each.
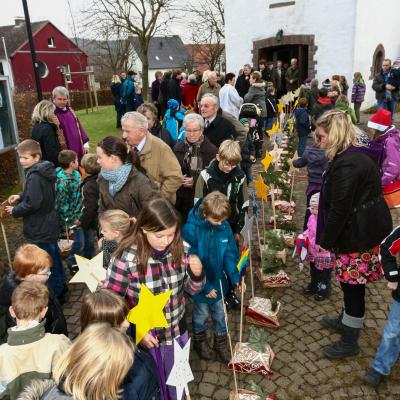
{"type": "Point", "coordinates": [73, 269]}
{"type": "Point", "coordinates": [373, 377]}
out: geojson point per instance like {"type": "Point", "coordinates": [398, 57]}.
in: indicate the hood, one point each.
{"type": "Point", "coordinates": [45, 169]}
{"type": "Point", "coordinates": [341, 106]}
{"type": "Point", "coordinates": [195, 218]}
{"type": "Point", "coordinates": [36, 389]}
{"type": "Point", "coordinates": [315, 153]}
{"type": "Point", "coordinates": [324, 100]}
{"type": "Point", "coordinates": [373, 149]}
{"type": "Point", "coordinates": [9, 284]}
{"type": "Point", "coordinates": [258, 84]}
{"type": "Point", "coordinates": [215, 171]}
{"type": "Point", "coordinates": [391, 131]}
{"type": "Point", "coordinates": [62, 175]}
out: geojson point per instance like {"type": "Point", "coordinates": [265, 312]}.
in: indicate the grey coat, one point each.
{"type": "Point", "coordinates": [43, 390]}
{"type": "Point", "coordinates": [256, 95]}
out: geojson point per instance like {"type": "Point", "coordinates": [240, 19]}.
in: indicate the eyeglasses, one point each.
{"type": "Point", "coordinates": [193, 130]}
{"type": "Point", "coordinates": [48, 273]}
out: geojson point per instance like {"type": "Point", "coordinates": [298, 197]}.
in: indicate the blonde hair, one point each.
{"type": "Point", "coordinates": [229, 151]}
{"type": "Point", "coordinates": [340, 130]}
{"type": "Point", "coordinates": [29, 299]}
{"type": "Point", "coordinates": [43, 112]}
{"type": "Point", "coordinates": [118, 220]}
{"type": "Point", "coordinates": [96, 364]}
{"type": "Point", "coordinates": [89, 164]}
{"type": "Point", "coordinates": [115, 79]}
{"type": "Point", "coordinates": [216, 206]}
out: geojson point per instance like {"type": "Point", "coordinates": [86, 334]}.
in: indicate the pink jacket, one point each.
{"type": "Point", "coordinates": [310, 233]}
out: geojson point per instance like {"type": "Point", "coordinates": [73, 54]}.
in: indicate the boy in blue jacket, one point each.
{"type": "Point", "coordinates": [303, 125]}
{"type": "Point", "coordinates": [211, 239]}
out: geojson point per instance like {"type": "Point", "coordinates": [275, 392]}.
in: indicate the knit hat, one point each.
{"type": "Point", "coordinates": [397, 61]}
{"type": "Point", "coordinates": [314, 200]}
{"type": "Point", "coordinates": [244, 121]}
{"type": "Point", "coordinates": [307, 81]}
{"type": "Point", "coordinates": [381, 120]}
{"type": "Point", "coordinates": [172, 104]}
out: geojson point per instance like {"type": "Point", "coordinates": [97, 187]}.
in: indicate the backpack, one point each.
{"type": "Point", "coordinates": [249, 110]}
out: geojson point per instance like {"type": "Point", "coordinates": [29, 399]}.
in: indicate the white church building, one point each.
{"type": "Point", "coordinates": [327, 36]}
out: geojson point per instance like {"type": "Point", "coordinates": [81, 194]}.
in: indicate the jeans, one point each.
{"type": "Point", "coordinates": [77, 247]}
{"type": "Point", "coordinates": [88, 248]}
{"type": "Point", "coordinates": [57, 279]}
{"type": "Point", "coordinates": [388, 105]}
{"type": "Point", "coordinates": [302, 145]}
{"type": "Point", "coordinates": [389, 348]}
{"type": "Point", "coordinates": [268, 122]}
{"type": "Point", "coordinates": [200, 314]}
{"type": "Point", "coordinates": [248, 170]}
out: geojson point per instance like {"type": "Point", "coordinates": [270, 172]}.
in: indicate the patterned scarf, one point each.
{"type": "Point", "coordinates": [116, 178]}
{"type": "Point", "coordinates": [192, 159]}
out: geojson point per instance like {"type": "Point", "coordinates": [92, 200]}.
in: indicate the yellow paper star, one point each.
{"type": "Point", "coordinates": [280, 107]}
{"type": "Point", "coordinates": [266, 161]}
{"type": "Point", "coordinates": [273, 129]}
{"type": "Point", "coordinates": [261, 188]}
{"type": "Point", "coordinates": [148, 313]}
{"type": "Point", "coordinates": [295, 104]}
{"type": "Point", "coordinates": [91, 272]}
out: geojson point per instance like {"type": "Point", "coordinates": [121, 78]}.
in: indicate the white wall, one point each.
{"type": "Point", "coordinates": [377, 23]}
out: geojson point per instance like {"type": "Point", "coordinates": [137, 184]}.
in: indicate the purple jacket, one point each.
{"type": "Point", "coordinates": [155, 90]}
{"type": "Point", "coordinates": [358, 92]}
{"type": "Point", "coordinates": [391, 155]}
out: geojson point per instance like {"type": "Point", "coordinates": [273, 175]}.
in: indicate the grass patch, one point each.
{"type": "Point", "coordinates": [99, 124]}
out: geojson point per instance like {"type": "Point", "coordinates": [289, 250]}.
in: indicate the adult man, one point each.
{"type": "Point", "coordinates": [128, 92]}
{"type": "Point", "coordinates": [69, 127]}
{"type": "Point", "coordinates": [273, 75]}
{"type": "Point", "coordinates": [385, 93]}
{"type": "Point", "coordinates": [281, 85]}
{"type": "Point", "coordinates": [229, 99]}
{"type": "Point", "coordinates": [292, 76]}
{"type": "Point", "coordinates": [219, 125]}
{"type": "Point", "coordinates": [211, 85]}
{"type": "Point", "coordinates": [156, 157]}
{"type": "Point", "coordinates": [265, 72]}
{"type": "Point", "coordinates": [243, 81]}
{"type": "Point", "coordinates": [174, 90]}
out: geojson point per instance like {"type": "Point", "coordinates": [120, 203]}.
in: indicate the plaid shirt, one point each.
{"type": "Point", "coordinates": [124, 278]}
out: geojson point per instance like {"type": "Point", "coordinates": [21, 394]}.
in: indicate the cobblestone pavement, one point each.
{"type": "Point", "coordinates": [300, 371]}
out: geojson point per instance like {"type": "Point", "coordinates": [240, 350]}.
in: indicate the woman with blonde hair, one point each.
{"type": "Point", "coordinates": [353, 220]}
{"type": "Point", "coordinates": [45, 130]}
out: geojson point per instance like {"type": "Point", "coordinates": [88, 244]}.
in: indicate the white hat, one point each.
{"type": "Point", "coordinates": [314, 200]}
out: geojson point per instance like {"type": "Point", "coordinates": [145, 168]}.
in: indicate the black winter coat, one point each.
{"type": "Point", "coordinates": [37, 204]}
{"type": "Point", "coordinates": [46, 134]}
{"type": "Point", "coordinates": [174, 90]}
{"type": "Point", "coordinates": [220, 129]}
{"type": "Point", "coordinates": [242, 85]}
{"type": "Point", "coordinates": [162, 133]}
{"type": "Point", "coordinates": [55, 320]}
{"type": "Point", "coordinates": [379, 86]}
{"type": "Point", "coordinates": [356, 217]}
{"type": "Point", "coordinates": [90, 202]}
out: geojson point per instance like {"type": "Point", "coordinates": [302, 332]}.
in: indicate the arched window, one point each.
{"type": "Point", "coordinates": [377, 60]}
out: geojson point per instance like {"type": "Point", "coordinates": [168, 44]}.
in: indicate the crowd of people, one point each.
{"type": "Point", "coordinates": [166, 203]}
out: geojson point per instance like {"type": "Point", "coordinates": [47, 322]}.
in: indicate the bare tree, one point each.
{"type": "Point", "coordinates": [141, 18]}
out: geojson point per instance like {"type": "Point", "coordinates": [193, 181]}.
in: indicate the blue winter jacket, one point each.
{"type": "Point", "coordinates": [128, 90]}
{"type": "Point", "coordinates": [303, 126]}
{"type": "Point", "coordinates": [217, 250]}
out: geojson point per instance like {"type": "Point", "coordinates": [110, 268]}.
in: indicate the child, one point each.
{"type": "Point", "coordinates": [115, 224]}
{"type": "Point", "coordinates": [69, 202]}
{"type": "Point", "coordinates": [90, 202]}
{"type": "Point", "coordinates": [173, 120]}
{"type": "Point", "coordinates": [31, 264]}
{"type": "Point", "coordinates": [29, 352]}
{"type": "Point", "coordinates": [314, 158]}
{"type": "Point", "coordinates": [37, 209]}
{"type": "Point", "coordinates": [106, 306]}
{"type": "Point", "coordinates": [248, 153]}
{"type": "Point", "coordinates": [358, 94]}
{"type": "Point", "coordinates": [153, 253]}
{"type": "Point", "coordinates": [323, 104]}
{"type": "Point", "coordinates": [303, 126]}
{"type": "Point", "coordinates": [93, 368]}
{"type": "Point", "coordinates": [389, 347]}
{"type": "Point", "coordinates": [225, 175]}
{"type": "Point", "coordinates": [321, 262]}
{"type": "Point", "coordinates": [211, 238]}
{"type": "Point", "coordinates": [270, 101]}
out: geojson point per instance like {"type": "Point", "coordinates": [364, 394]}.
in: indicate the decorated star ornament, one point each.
{"type": "Point", "coordinates": [276, 153]}
{"type": "Point", "coordinates": [273, 129]}
{"type": "Point", "coordinates": [148, 313]}
{"type": "Point", "coordinates": [261, 189]}
{"type": "Point", "coordinates": [91, 272]}
{"type": "Point", "coordinates": [181, 373]}
{"type": "Point", "coordinates": [280, 107]}
{"type": "Point", "coordinates": [247, 230]}
{"type": "Point", "coordinates": [266, 161]}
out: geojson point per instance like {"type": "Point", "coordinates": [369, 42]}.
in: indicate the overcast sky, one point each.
{"type": "Point", "coordinates": [56, 11]}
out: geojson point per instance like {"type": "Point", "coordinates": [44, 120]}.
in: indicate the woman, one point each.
{"type": "Point", "coordinates": [353, 220]}
{"type": "Point", "coordinates": [150, 112]}
{"type": "Point", "coordinates": [194, 154]}
{"type": "Point", "coordinates": [155, 90]}
{"type": "Point", "coordinates": [342, 103]}
{"type": "Point", "coordinates": [163, 92]}
{"type": "Point", "coordinates": [93, 368]}
{"type": "Point", "coordinates": [358, 94]}
{"type": "Point", "coordinates": [122, 186]}
{"type": "Point", "coordinates": [189, 93]}
{"type": "Point", "coordinates": [256, 94]}
{"type": "Point", "coordinates": [45, 130]}
{"type": "Point", "coordinates": [116, 88]}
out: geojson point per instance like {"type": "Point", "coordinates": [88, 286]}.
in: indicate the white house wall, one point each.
{"type": "Point", "coordinates": [377, 23]}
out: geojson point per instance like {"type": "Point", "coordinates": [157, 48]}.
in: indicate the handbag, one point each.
{"type": "Point", "coordinates": [391, 193]}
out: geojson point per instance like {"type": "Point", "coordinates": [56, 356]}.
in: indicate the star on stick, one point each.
{"type": "Point", "coordinates": [261, 188]}
{"type": "Point", "coordinates": [266, 161]}
{"type": "Point", "coordinates": [148, 313]}
{"type": "Point", "coordinates": [181, 374]}
{"type": "Point", "coordinates": [91, 272]}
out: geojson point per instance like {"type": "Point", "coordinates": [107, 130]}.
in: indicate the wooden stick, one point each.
{"type": "Point", "coordinates": [273, 205]}
{"type": "Point", "coordinates": [263, 219]}
{"type": "Point", "coordinates": [251, 266]}
{"type": "Point", "coordinates": [291, 192]}
{"type": "Point", "coordinates": [229, 337]}
{"type": "Point", "coordinates": [6, 245]}
{"type": "Point", "coordinates": [258, 234]}
{"type": "Point", "coordinates": [241, 313]}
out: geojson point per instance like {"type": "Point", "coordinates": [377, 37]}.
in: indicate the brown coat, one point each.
{"type": "Point", "coordinates": [137, 190]}
{"type": "Point", "coordinates": [161, 164]}
{"type": "Point", "coordinates": [206, 88]}
{"type": "Point", "coordinates": [292, 74]}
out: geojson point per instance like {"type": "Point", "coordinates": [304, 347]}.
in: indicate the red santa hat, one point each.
{"type": "Point", "coordinates": [381, 120]}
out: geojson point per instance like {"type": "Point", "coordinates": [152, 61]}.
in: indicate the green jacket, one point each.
{"type": "Point", "coordinates": [346, 108]}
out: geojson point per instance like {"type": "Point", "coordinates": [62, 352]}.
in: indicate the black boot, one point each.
{"type": "Point", "coordinates": [323, 285]}
{"type": "Point", "coordinates": [312, 286]}
{"type": "Point", "coordinates": [332, 323]}
{"type": "Point", "coordinates": [201, 346]}
{"type": "Point", "coordinates": [221, 348]}
{"type": "Point", "coordinates": [373, 377]}
{"type": "Point", "coordinates": [347, 346]}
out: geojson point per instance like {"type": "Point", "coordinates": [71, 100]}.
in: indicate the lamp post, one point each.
{"type": "Point", "coordinates": [33, 52]}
